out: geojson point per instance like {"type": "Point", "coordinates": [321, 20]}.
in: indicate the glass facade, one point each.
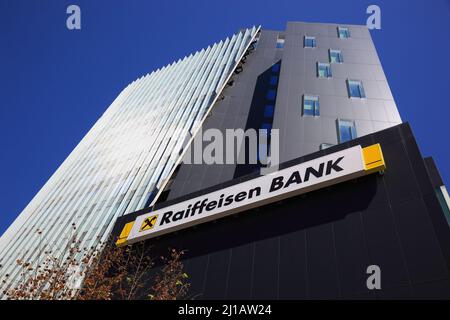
{"type": "Point", "coordinates": [444, 201]}
{"type": "Point", "coordinates": [122, 162]}
{"type": "Point", "coordinates": [268, 111]}
{"type": "Point", "coordinates": [100, 181]}
{"type": "Point", "coordinates": [271, 94]}
{"type": "Point", "coordinates": [273, 80]}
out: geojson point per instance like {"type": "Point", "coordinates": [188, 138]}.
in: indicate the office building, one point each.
{"type": "Point", "coordinates": [323, 88]}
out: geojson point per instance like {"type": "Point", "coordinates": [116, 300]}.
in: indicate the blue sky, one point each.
{"type": "Point", "coordinates": [56, 83]}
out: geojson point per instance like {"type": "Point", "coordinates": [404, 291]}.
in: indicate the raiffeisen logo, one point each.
{"type": "Point", "coordinates": [149, 223]}
{"type": "Point", "coordinates": [298, 179]}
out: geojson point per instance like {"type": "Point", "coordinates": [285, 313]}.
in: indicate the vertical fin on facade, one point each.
{"type": "Point", "coordinates": [130, 151]}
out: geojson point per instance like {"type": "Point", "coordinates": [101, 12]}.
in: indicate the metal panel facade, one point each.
{"type": "Point", "coordinates": [301, 135]}
{"type": "Point", "coordinates": [118, 166]}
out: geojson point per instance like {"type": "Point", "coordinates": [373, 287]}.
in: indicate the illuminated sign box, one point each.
{"type": "Point", "coordinates": [331, 169]}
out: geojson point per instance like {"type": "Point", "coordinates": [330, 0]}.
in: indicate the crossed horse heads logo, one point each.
{"type": "Point", "coordinates": [148, 223]}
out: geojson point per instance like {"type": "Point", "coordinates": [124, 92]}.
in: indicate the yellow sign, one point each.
{"type": "Point", "coordinates": [373, 158]}
{"type": "Point", "coordinates": [148, 223]}
{"type": "Point", "coordinates": [124, 234]}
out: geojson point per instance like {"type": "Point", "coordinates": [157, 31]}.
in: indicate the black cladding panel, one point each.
{"type": "Point", "coordinates": [318, 245]}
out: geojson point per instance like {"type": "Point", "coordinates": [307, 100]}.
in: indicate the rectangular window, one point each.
{"type": "Point", "coordinates": [324, 146]}
{"type": "Point", "coordinates": [343, 32]}
{"type": "Point", "coordinates": [271, 94]}
{"type": "Point", "coordinates": [268, 111]}
{"type": "Point", "coordinates": [309, 42]}
{"type": "Point", "coordinates": [323, 70]}
{"type": "Point", "coordinates": [311, 106]}
{"type": "Point", "coordinates": [280, 42]}
{"type": "Point", "coordinates": [336, 56]}
{"type": "Point", "coordinates": [347, 130]}
{"type": "Point", "coordinates": [273, 80]}
{"type": "Point", "coordinates": [355, 89]}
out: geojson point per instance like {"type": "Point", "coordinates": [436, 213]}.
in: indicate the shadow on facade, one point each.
{"type": "Point", "coordinates": [273, 220]}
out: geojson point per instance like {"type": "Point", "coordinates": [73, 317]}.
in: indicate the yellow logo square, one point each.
{"type": "Point", "coordinates": [148, 223]}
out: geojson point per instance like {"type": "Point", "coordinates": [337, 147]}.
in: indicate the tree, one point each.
{"type": "Point", "coordinates": [172, 283]}
{"type": "Point", "coordinates": [105, 272]}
